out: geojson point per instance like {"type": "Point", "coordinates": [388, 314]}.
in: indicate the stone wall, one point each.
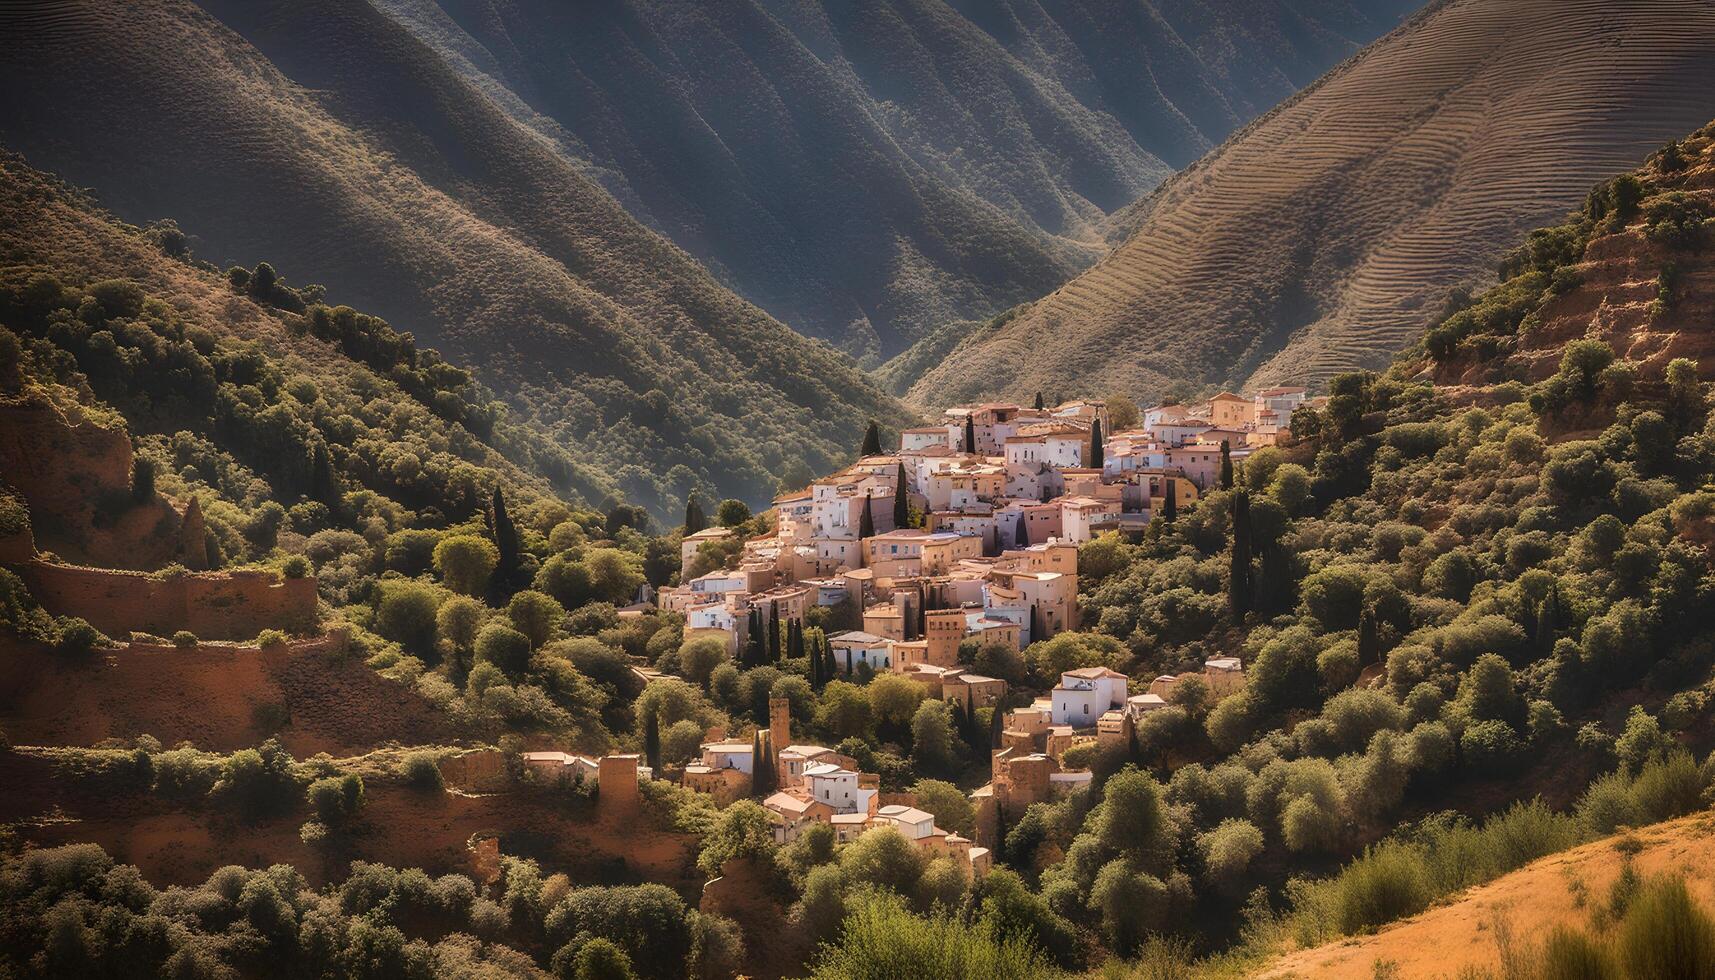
{"type": "Point", "coordinates": [56, 462]}
{"type": "Point", "coordinates": [233, 605]}
{"type": "Point", "coordinates": [476, 771]}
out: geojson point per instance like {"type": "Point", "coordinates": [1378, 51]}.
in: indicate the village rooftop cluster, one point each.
{"type": "Point", "coordinates": [969, 530]}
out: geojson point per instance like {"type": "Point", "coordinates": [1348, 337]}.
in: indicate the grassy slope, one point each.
{"type": "Point", "coordinates": [446, 217]}
{"type": "Point", "coordinates": [1559, 890]}
{"type": "Point", "coordinates": [1326, 235]}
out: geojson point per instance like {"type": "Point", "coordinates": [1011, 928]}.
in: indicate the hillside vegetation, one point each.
{"type": "Point", "coordinates": [1328, 234]}
{"type": "Point", "coordinates": [868, 171]}
{"type": "Point", "coordinates": [368, 166]}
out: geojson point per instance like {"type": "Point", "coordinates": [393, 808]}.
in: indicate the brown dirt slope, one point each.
{"type": "Point", "coordinates": [1326, 235]}
{"type": "Point", "coordinates": [1620, 281]}
{"type": "Point", "coordinates": [1561, 889]}
{"type": "Point", "coordinates": [174, 844]}
{"type": "Point", "coordinates": [220, 699]}
{"type": "Point", "coordinates": [362, 162]}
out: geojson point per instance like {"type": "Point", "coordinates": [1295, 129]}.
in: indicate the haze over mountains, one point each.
{"type": "Point", "coordinates": [868, 171]}
{"type": "Point", "coordinates": [1328, 234]}
{"type": "Point", "coordinates": [379, 173]}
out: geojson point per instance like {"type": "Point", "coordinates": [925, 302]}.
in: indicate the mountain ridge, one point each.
{"type": "Point", "coordinates": [1416, 163]}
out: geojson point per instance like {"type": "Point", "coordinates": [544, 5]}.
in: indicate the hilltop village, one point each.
{"type": "Point", "coordinates": [966, 536]}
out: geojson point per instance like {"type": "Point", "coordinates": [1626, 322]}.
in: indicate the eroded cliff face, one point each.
{"type": "Point", "coordinates": [73, 471]}
{"type": "Point", "coordinates": [1650, 298]}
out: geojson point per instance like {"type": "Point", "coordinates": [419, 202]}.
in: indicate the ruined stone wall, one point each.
{"type": "Point", "coordinates": [214, 605]}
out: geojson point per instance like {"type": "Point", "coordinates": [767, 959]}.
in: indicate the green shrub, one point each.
{"type": "Point", "coordinates": [1665, 934]}
{"type": "Point", "coordinates": [79, 639]}
{"type": "Point", "coordinates": [271, 638]}
{"type": "Point", "coordinates": [1387, 883]}
{"type": "Point", "coordinates": [422, 770]}
{"type": "Point", "coordinates": [184, 639]}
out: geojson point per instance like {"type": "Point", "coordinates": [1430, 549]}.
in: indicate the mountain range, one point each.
{"type": "Point", "coordinates": [1328, 234]}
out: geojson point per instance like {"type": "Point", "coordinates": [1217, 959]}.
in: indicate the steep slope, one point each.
{"type": "Point", "coordinates": [1514, 913]}
{"type": "Point", "coordinates": [867, 171]}
{"type": "Point", "coordinates": [408, 193]}
{"type": "Point", "coordinates": [1325, 236]}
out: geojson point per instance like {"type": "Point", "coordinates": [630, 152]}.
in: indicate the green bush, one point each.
{"type": "Point", "coordinates": [422, 770]}
{"type": "Point", "coordinates": [1665, 934]}
{"type": "Point", "coordinates": [79, 639]}
{"type": "Point", "coordinates": [184, 639]}
{"type": "Point", "coordinates": [1387, 883]}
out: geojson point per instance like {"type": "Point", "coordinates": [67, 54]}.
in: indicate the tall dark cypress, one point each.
{"type": "Point", "coordinates": [505, 538]}
{"type": "Point", "coordinates": [753, 648]}
{"type": "Point", "coordinates": [1239, 586]}
{"type": "Point", "coordinates": [970, 434]}
{"type": "Point", "coordinates": [1096, 445]}
{"type": "Point", "coordinates": [1369, 638]}
{"type": "Point", "coordinates": [871, 440]}
{"type": "Point", "coordinates": [997, 722]}
{"type": "Point", "coordinates": [695, 520]}
{"type": "Point", "coordinates": [1035, 625]}
{"type": "Point", "coordinates": [866, 523]}
{"type": "Point", "coordinates": [652, 740]}
{"type": "Point", "coordinates": [901, 505]}
{"type": "Point", "coordinates": [758, 764]}
{"type": "Point", "coordinates": [774, 632]}
{"type": "Point", "coordinates": [1170, 509]}
{"type": "Point", "coordinates": [1021, 536]}
{"type": "Point", "coordinates": [1038, 406]}
{"type": "Point", "coordinates": [1226, 465]}
{"type": "Point", "coordinates": [830, 666]}
{"type": "Point", "coordinates": [1548, 619]}
{"type": "Point", "coordinates": [814, 652]}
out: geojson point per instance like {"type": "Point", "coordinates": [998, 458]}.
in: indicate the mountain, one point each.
{"type": "Point", "coordinates": [868, 171]}
{"type": "Point", "coordinates": [359, 161]}
{"type": "Point", "coordinates": [1326, 235]}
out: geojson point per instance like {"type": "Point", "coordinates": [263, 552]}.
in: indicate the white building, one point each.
{"type": "Point", "coordinates": [915, 824]}
{"type": "Point", "coordinates": [857, 647]}
{"type": "Point", "coordinates": [838, 788]}
{"type": "Point", "coordinates": [1084, 694]}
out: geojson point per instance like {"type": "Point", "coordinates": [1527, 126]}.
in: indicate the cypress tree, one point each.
{"type": "Point", "coordinates": [695, 520]}
{"type": "Point", "coordinates": [1548, 619]}
{"type": "Point", "coordinates": [1239, 586]}
{"type": "Point", "coordinates": [324, 483]}
{"type": "Point", "coordinates": [1369, 638]}
{"type": "Point", "coordinates": [997, 722]}
{"type": "Point", "coordinates": [1021, 537]}
{"type": "Point", "coordinates": [753, 646]}
{"type": "Point", "coordinates": [970, 434]}
{"type": "Point", "coordinates": [774, 632]}
{"type": "Point", "coordinates": [505, 539]}
{"type": "Point", "coordinates": [1039, 406]}
{"type": "Point", "coordinates": [1226, 465]}
{"type": "Point", "coordinates": [901, 506]}
{"type": "Point", "coordinates": [830, 667]}
{"type": "Point", "coordinates": [817, 676]}
{"type": "Point", "coordinates": [758, 762]}
{"type": "Point", "coordinates": [871, 440]}
{"type": "Point", "coordinates": [1035, 625]}
{"type": "Point", "coordinates": [652, 740]}
{"type": "Point", "coordinates": [1170, 509]}
{"type": "Point", "coordinates": [866, 523]}
{"type": "Point", "coordinates": [1096, 444]}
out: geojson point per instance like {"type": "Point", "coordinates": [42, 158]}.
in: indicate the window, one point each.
{"type": "Point", "coordinates": [1086, 709]}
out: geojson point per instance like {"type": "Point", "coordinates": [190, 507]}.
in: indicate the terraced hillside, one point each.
{"type": "Point", "coordinates": [1328, 234]}
{"type": "Point", "coordinates": [868, 171]}
{"type": "Point", "coordinates": [410, 194]}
